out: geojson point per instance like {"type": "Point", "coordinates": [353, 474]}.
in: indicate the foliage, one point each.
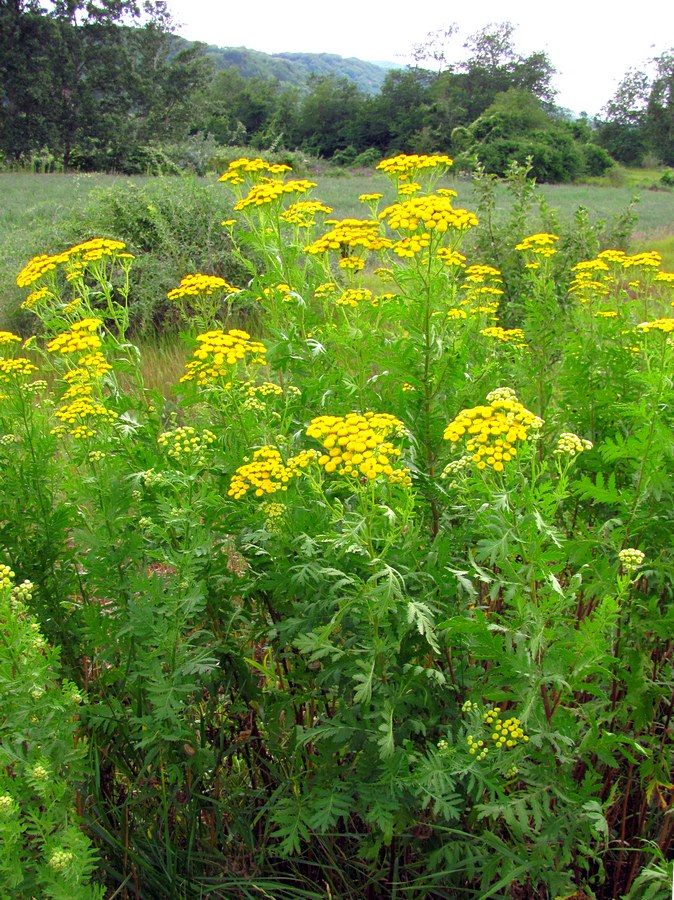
{"type": "Point", "coordinates": [639, 119]}
{"type": "Point", "coordinates": [43, 851]}
{"type": "Point", "coordinates": [380, 600]}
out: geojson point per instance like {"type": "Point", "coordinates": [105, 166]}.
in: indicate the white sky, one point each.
{"type": "Point", "coordinates": [591, 44]}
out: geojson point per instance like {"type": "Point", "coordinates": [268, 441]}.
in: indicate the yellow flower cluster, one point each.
{"type": "Point", "coordinates": [570, 444]}
{"type": "Point", "coordinates": [82, 336]}
{"type": "Point", "coordinates": [481, 274]}
{"type": "Point", "coordinates": [282, 290]}
{"type": "Point", "coordinates": [354, 296]}
{"type": "Point", "coordinates": [218, 350]}
{"type": "Point", "coordinates": [303, 213]}
{"type": "Point", "coordinates": [274, 514]}
{"type": "Point", "coordinates": [651, 259]}
{"type": "Point", "coordinates": [13, 368]}
{"type": "Point", "coordinates": [455, 313]}
{"type": "Point", "coordinates": [6, 337]}
{"type": "Point", "coordinates": [667, 277]}
{"type": "Point", "coordinates": [192, 285]}
{"type": "Point", "coordinates": [412, 187]}
{"type": "Point", "coordinates": [541, 244]}
{"type": "Point", "coordinates": [370, 198]}
{"type": "Point", "coordinates": [451, 257]}
{"type": "Point", "coordinates": [513, 336]}
{"type": "Point", "coordinates": [505, 733]}
{"type": "Point", "coordinates": [42, 265]}
{"type": "Point", "coordinates": [434, 211]}
{"type": "Point", "coordinates": [606, 314]}
{"type": "Point", "coordinates": [410, 246]}
{"type": "Point", "coordinates": [33, 299]}
{"type": "Point", "coordinates": [268, 191]}
{"type": "Point", "coordinates": [239, 169]}
{"type": "Point", "coordinates": [665, 325]}
{"type": "Point", "coordinates": [266, 474]}
{"type": "Point", "coordinates": [357, 444]}
{"type": "Point", "coordinates": [492, 431]}
{"type": "Point", "coordinates": [405, 166]}
{"type": "Point", "coordinates": [631, 559]}
{"type": "Point", "coordinates": [77, 415]}
{"type": "Point", "coordinates": [266, 389]}
{"type": "Point", "coordinates": [348, 234]}
{"type": "Point", "coordinates": [184, 442]}
{"type": "Point", "coordinates": [94, 364]}
{"type": "Point", "coordinates": [6, 576]}
{"type": "Point", "coordinates": [357, 263]}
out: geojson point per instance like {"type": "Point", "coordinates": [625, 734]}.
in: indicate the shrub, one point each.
{"type": "Point", "coordinates": [174, 227]}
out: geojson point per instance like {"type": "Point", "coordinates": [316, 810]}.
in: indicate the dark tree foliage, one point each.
{"type": "Point", "coordinates": [76, 79]}
{"type": "Point", "coordinates": [639, 119]}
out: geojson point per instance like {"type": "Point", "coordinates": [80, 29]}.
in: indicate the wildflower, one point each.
{"type": "Point", "coordinates": [323, 289]}
{"type": "Point", "coordinates": [664, 325]}
{"type": "Point", "coordinates": [357, 445]}
{"type": "Point", "coordinates": [348, 235]}
{"type": "Point", "coordinates": [60, 860]}
{"type": "Point", "coordinates": [406, 166]}
{"type": "Point", "coordinates": [455, 313]}
{"type": "Point", "coordinates": [239, 169]}
{"type": "Point", "coordinates": [354, 297]}
{"type": "Point", "coordinates": [436, 213]}
{"type": "Point", "coordinates": [493, 431]}
{"type": "Point", "coordinates": [218, 351]}
{"type": "Point", "coordinates": [24, 591]}
{"type": "Point", "coordinates": [266, 474]}
{"type": "Point", "coordinates": [650, 259]}
{"type": "Point", "coordinates": [513, 336]}
{"type": "Point", "coordinates": [570, 444]}
{"type": "Point", "coordinates": [370, 198]}
{"type": "Point", "coordinates": [186, 443]}
{"type": "Point", "coordinates": [41, 265]}
{"type": "Point", "coordinates": [451, 257]}
{"type": "Point", "coordinates": [303, 213]}
{"type": "Point", "coordinates": [266, 389]}
{"type": "Point", "coordinates": [8, 806]}
{"type": "Point", "coordinates": [80, 414]}
{"type": "Point", "coordinates": [631, 559]}
{"type": "Point", "coordinates": [541, 244]}
{"type": "Point", "coordinates": [268, 191]}
{"type": "Point", "coordinates": [410, 246]}
{"type": "Point", "coordinates": [6, 337]}
{"type": "Point", "coordinates": [13, 368]}
{"type": "Point", "coordinates": [192, 285]}
{"type": "Point", "coordinates": [82, 336]}
{"type": "Point", "coordinates": [6, 576]}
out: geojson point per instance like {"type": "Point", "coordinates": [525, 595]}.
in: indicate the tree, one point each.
{"type": "Point", "coordinates": [639, 118]}
{"type": "Point", "coordinates": [76, 78]}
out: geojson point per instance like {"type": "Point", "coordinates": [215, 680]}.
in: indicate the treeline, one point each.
{"type": "Point", "coordinates": [96, 88]}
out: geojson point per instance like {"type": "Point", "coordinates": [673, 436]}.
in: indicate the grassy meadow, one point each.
{"type": "Point", "coordinates": [335, 543]}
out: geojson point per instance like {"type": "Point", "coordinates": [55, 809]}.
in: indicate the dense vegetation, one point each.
{"type": "Point", "coordinates": [115, 95]}
{"type": "Point", "coordinates": [377, 601]}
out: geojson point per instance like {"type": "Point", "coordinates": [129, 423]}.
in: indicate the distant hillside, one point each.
{"type": "Point", "coordinates": [296, 68]}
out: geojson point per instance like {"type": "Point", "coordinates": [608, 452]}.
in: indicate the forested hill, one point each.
{"type": "Point", "coordinates": [296, 68]}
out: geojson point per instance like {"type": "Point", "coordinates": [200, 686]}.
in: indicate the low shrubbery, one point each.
{"type": "Point", "coordinates": [380, 602]}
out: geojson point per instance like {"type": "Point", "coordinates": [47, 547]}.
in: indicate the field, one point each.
{"type": "Point", "coordinates": [335, 544]}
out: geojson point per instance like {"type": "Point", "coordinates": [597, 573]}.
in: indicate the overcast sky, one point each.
{"type": "Point", "coordinates": [591, 44]}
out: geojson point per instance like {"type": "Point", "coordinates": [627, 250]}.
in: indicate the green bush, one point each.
{"type": "Point", "coordinates": [173, 225]}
